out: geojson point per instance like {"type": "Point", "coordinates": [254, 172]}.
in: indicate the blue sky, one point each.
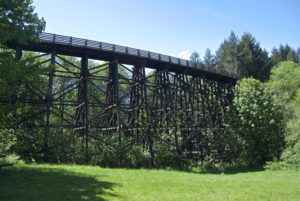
{"type": "Point", "coordinates": [174, 27]}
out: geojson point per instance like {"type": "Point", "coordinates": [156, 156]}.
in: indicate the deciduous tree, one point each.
{"type": "Point", "coordinates": [258, 124]}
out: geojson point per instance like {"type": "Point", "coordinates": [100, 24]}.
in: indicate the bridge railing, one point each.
{"type": "Point", "coordinates": [85, 43]}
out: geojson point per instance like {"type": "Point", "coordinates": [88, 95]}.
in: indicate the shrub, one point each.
{"type": "Point", "coordinates": [257, 124]}
{"type": "Point", "coordinates": [7, 140]}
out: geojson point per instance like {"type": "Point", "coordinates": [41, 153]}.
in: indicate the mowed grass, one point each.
{"type": "Point", "coordinates": [79, 183]}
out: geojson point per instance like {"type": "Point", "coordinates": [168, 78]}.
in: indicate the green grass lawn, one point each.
{"type": "Point", "coordinates": [78, 183]}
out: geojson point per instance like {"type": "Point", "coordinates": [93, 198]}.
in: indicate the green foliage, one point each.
{"type": "Point", "coordinates": [284, 53]}
{"type": "Point", "coordinates": [14, 73]}
{"type": "Point", "coordinates": [209, 59]}
{"type": "Point", "coordinates": [292, 154]}
{"type": "Point", "coordinates": [7, 140]}
{"type": "Point", "coordinates": [18, 22]}
{"type": "Point", "coordinates": [12, 158]}
{"type": "Point", "coordinates": [227, 54]}
{"type": "Point", "coordinates": [16, 76]}
{"type": "Point", "coordinates": [243, 56]}
{"type": "Point", "coordinates": [138, 157]}
{"type": "Point", "coordinates": [298, 55]}
{"type": "Point", "coordinates": [285, 81]}
{"type": "Point", "coordinates": [167, 158]}
{"type": "Point", "coordinates": [254, 60]}
{"type": "Point", "coordinates": [257, 123]}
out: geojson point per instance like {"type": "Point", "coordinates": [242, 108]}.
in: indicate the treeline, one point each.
{"type": "Point", "coordinates": [246, 57]}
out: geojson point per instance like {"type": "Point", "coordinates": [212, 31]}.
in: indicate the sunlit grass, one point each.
{"type": "Point", "coordinates": [67, 182]}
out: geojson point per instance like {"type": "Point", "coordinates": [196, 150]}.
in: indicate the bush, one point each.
{"type": "Point", "coordinates": [7, 140]}
{"type": "Point", "coordinates": [257, 124]}
{"type": "Point", "coordinates": [138, 157]}
{"type": "Point", "coordinates": [12, 158]}
{"type": "Point", "coordinates": [292, 154]}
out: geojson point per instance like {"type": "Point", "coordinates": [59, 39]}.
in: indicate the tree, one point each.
{"type": "Point", "coordinates": [228, 53]}
{"type": "Point", "coordinates": [292, 55]}
{"type": "Point", "coordinates": [209, 59]}
{"type": "Point", "coordinates": [283, 53]}
{"type": "Point", "coordinates": [244, 56]}
{"type": "Point", "coordinates": [253, 59]}
{"type": "Point", "coordinates": [285, 82]}
{"type": "Point", "coordinates": [258, 124]}
{"type": "Point", "coordinates": [291, 155]}
{"type": "Point", "coordinates": [195, 57]}
{"type": "Point", "coordinates": [18, 22]}
{"type": "Point", "coordinates": [298, 55]}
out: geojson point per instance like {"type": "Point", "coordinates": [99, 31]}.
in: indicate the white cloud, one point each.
{"type": "Point", "coordinates": [185, 55]}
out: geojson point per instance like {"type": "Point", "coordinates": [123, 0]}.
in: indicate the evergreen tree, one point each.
{"type": "Point", "coordinates": [195, 57]}
{"type": "Point", "coordinates": [275, 57]}
{"type": "Point", "coordinates": [253, 59]}
{"type": "Point", "coordinates": [243, 56]}
{"type": "Point", "coordinates": [228, 54]}
{"type": "Point", "coordinates": [292, 55]}
{"type": "Point", "coordinates": [298, 55]}
{"type": "Point", "coordinates": [209, 59]}
{"type": "Point", "coordinates": [284, 53]}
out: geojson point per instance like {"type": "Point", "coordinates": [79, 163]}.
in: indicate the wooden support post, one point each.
{"type": "Point", "coordinates": [85, 76]}
{"type": "Point", "coordinates": [82, 120]}
{"type": "Point", "coordinates": [113, 105]}
{"type": "Point", "coordinates": [48, 104]}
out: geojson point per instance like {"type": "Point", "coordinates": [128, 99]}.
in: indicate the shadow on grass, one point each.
{"type": "Point", "coordinates": [206, 170]}
{"type": "Point", "coordinates": [227, 170]}
{"type": "Point", "coordinates": [235, 170]}
{"type": "Point", "coordinates": [50, 184]}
